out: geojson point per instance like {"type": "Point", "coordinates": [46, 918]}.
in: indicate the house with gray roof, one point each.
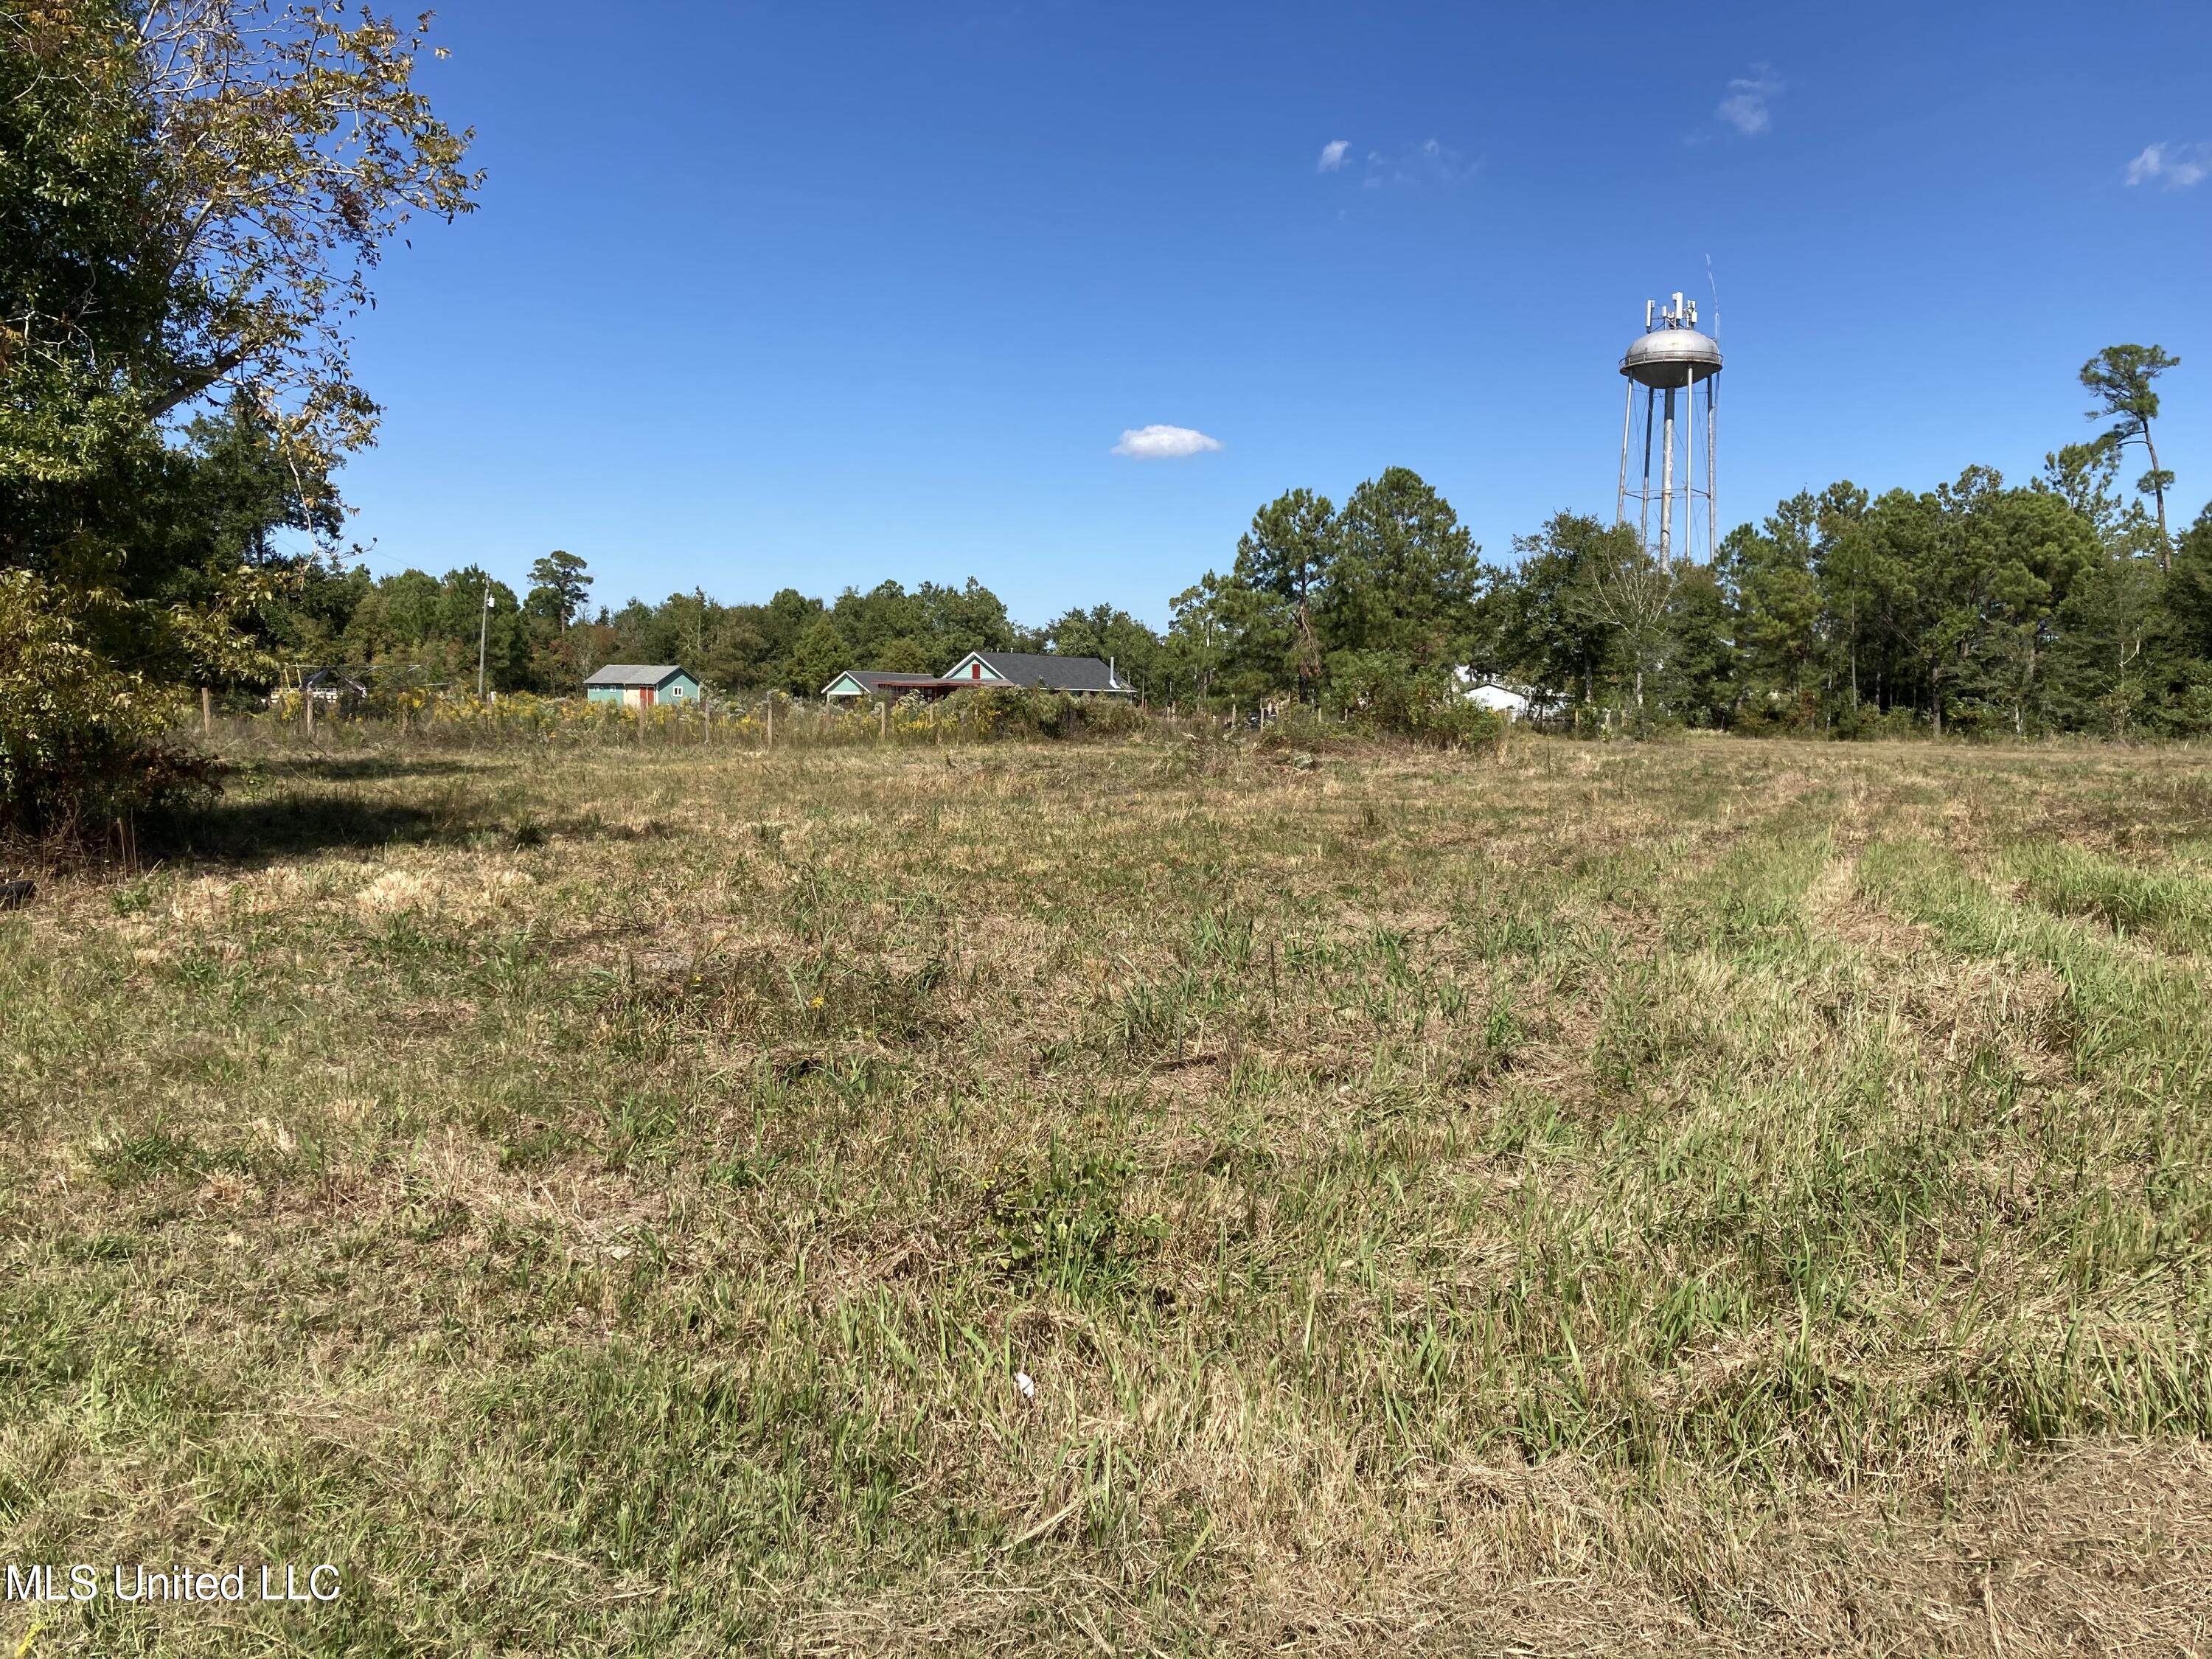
{"type": "Point", "coordinates": [640, 685]}
{"type": "Point", "coordinates": [1032, 669]}
{"type": "Point", "coordinates": [874, 683]}
{"type": "Point", "coordinates": [1011, 670]}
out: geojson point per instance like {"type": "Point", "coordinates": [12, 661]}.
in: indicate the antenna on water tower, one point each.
{"type": "Point", "coordinates": [1669, 357]}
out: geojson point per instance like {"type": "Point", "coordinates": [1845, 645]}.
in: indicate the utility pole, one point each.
{"type": "Point", "coordinates": [483, 633]}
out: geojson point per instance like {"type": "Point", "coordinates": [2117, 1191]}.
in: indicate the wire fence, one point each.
{"type": "Point", "coordinates": [445, 718]}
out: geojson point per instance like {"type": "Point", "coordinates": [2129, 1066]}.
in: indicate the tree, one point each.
{"type": "Point", "coordinates": [2082, 475]}
{"type": "Point", "coordinates": [958, 620]}
{"type": "Point", "coordinates": [2120, 379]}
{"type": "Point", "coordinates": [560, 583]}
{"type": "Point", "coordinates": [194, 194]}
{"type": "Point", "coordinates": [1532, 633]}
{"type": "Point", "coordinates": [1393, 574]}
{"type": "Point", "coordinates": [2188, 595]}
{"type": "Point", "coordinates": [1698, 675]}
{"type": "Point", "coordinates": [557, 649]}
{"type": "Point", "coordinates": [1619, 587]}
{"type": "Point", "coordinates": [1287, 560]}
{"type": "Point", "coordinates": [821, 652]}
{"type": "Point", "coordinates": [2107, 662]}
{"type": "Point", "coordinates": [1979, 576]}
{"type": "Point", "coordinates": [922, 632]}
{"type": "Point", "coordinates": [1405, 575]}
{"type": "Point", "coordinates": [232, 170]}
{"type": "Point", "coordinates": [1197, 637]}
{"type": "Point", "coordinates": [84, 305]}
{"type": "Point", "coordinates": [2039, 549]}
{"type": "Point", "coordinates": [1771, 581]}
{"type": "Point", "coordinates": [1851, 580]}
{"type": "Point", "coordinates": [1114, 636]}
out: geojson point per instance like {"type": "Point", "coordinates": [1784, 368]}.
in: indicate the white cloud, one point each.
{"type": "Point", "coordinates": [2172, 166]}
{"type": "Point", "coordinates": [1332, 155]}
{"type": "Point", "coordinates": [1164, 443]}
{"type": "Point", "coordinates": [1748, 105]}
{"type": "Point", "coordinates": [1430, 162]}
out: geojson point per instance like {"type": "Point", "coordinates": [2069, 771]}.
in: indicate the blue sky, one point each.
{"type": "Point", "coordinates": [812, 294]}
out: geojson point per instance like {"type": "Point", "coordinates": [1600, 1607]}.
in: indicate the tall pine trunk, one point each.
{"type": "Point", "coordinates": [2158, 495]}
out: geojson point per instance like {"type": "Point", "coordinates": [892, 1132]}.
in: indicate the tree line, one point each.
{"type": "Point", "coordinates": [194, 194]}
{"type": "Point", "coordinates": [1360, 605]}
{"type": "Point", "coordinates": [1976, 607]}
{"type": "Point", "coordinates": [414, 626]}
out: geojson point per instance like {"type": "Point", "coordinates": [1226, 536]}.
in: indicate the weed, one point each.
{"type": "Point", "coordinates": [1058, 1225]}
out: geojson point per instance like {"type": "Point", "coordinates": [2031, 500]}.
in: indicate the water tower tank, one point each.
{"type": "Point", "coordinates": [1671, 357]}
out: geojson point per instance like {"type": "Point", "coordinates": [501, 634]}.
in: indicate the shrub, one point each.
{"type": "Point", "coordinates": [84, 745]}
{"type": "Point", "coordinates": [1006, 711]}
{"type": "Point", "coordinates": [2186, 714]}
{"type": "Point", "coordinates": [1302, 727]}
{"type": "Point", "coordinates": [1868, 724]}
{"type": "Point", "coordinates": [1778, 713]}
{"type": "Point", "coordinates": [1387, 691]}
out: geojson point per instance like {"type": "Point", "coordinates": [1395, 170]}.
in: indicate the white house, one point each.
{"type": "Point", "coordinates": [1509, 700]}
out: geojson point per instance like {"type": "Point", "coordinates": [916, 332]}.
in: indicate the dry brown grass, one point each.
{"type": "Point", "coordinates": [1723, 1197]}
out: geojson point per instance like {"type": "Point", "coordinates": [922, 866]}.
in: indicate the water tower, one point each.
{"type": "Point", "coordinates": [1670, 357]}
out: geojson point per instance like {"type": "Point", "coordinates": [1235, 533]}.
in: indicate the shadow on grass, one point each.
{"type": "Point", "coordinates": [249, 834]}
{"type": "Point", "coordinates": [357, 768]}
{"type": "Point", "coordinates": [258, 832]}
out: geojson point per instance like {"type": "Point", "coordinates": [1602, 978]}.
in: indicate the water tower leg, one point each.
{"type": "Point", "coordinates": [1712, 470]}
{"type": "Point", "coordinates": [1690, 473]}
{"type": "Point", "coordinates": [1667, 491]}
{"type": "Point", "coordinates": [1628, 424]}
{"type": "Point", "coordinates": [1649, 395]}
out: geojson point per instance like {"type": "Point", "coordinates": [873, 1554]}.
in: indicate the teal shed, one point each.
{"type": "Point", "coordinates": [641, 685]}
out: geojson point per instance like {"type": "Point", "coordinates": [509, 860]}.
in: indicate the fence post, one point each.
{"type": "Point", "coordinates": [307, 702]}
{"type": "Point", "coordinates": [705, 717]}
{"type": "Point", "coordinates": [640, 722]}
{"type": "Point", "coordinates": [768, 719]}
{"type": "Point", "coordinates": [207, 713]}
{"type": "Point", "coordinates": [883, 721]}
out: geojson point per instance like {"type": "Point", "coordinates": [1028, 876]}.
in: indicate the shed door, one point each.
{"type": "Point", "coordinates": [645, 696]}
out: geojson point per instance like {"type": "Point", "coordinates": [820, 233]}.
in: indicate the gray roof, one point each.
{"type": "Point", "coordinates": [870, 678]}
{"type": "Point", "coordinates": [636, 673]}
{"type": "Point", "coordinates": [1054, 673]}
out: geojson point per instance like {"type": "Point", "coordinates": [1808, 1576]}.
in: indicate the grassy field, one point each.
{"type": "Point", "coordinates": [1721, 1197]}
